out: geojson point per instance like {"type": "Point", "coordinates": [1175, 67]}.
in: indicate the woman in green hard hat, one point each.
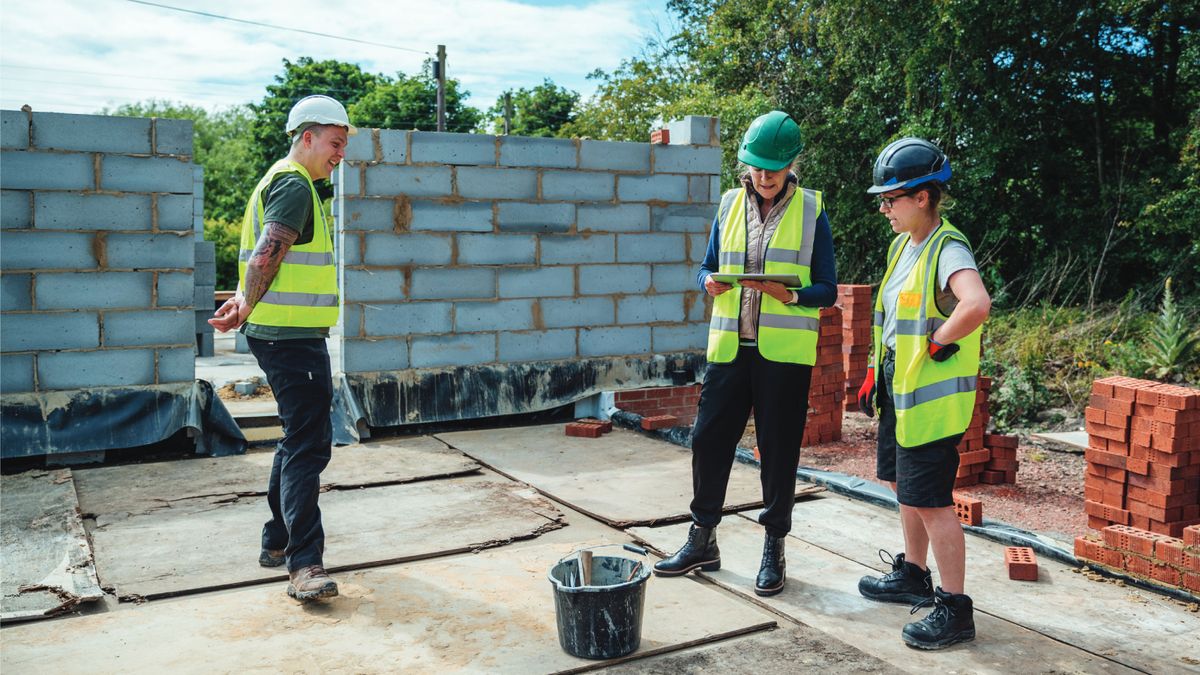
{"type": "Point", "coordinates": [928, 313]}
{"type": "Point", "coordinates": [762, 342]}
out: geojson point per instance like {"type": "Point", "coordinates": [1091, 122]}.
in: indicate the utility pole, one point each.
{"type": "Point", "coordinates": [507, 113]}
{"type": "Point", "coordinates": [441, 88]}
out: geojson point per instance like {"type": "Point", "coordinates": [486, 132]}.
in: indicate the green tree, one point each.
{"type": "Point", "coordinates": [411, 103]}
{"type": "Point", "coordinates": [628, 102]}
{"type": "Point", "coordinates": [540, 111]}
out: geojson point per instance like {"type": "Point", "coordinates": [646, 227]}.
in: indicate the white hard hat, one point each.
{"type": "Point", "coordinates": [318, 109]}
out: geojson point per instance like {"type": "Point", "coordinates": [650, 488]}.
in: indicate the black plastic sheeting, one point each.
{"type": "Point", "coordinates": [874, 493]}
{"type": "Point", "coordinates": [80, 421]}
{"type": "Point", "coordinates": [349, 420]}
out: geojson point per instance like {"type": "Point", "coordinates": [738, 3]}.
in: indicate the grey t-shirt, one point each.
{"type": "Point", "coordinates": [955, 256]}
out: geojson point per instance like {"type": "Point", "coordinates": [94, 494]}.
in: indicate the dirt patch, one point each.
{"type": "Point", "coordinates": [261, 393]}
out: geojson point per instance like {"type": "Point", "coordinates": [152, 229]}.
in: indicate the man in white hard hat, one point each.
{"type": "Point", "coordinates": [286, 301]}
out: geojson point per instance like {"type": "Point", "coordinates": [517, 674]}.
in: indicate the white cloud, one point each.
{"type": "Point", "coordinates": [83, 55]}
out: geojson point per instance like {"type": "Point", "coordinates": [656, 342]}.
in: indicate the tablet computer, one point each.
{"type": "Point", "coordinates": [789, 280]}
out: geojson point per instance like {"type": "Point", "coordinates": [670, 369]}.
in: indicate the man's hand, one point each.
{"type": "Point", "coordinates": [232, 314]}
{"type": "Point", "coordinates": [866, 393]}
{"type": "Point", "coordinates": [715, 287]}
{"type": "Point", "coordinates": [772, 288]}
{"type": "Point", "coordinates": [940, 352]}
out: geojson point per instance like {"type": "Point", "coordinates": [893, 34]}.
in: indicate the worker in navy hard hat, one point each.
{"type": "Point", "coordinates": [929, 310]}
{"type": "Point", "coordinates": [761, 342]}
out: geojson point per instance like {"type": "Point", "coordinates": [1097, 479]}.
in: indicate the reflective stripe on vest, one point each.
{"type": "Point", "coordinates": [304, 292]}
{"type": "Point", "coordinates": [786, 333]}
{"type": "Point", "coordinates": [932, 400]}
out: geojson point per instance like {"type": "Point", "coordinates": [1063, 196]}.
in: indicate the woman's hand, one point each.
{"type": "Point", "coordinates": [715, 287]}
{"type": "Point", "coordinates": [772, 288]}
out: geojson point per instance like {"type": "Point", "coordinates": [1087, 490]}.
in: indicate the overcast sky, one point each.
{"type": "Point", "coordinates": [80, 56]}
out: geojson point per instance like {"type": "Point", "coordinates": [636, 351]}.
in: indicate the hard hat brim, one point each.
{"type": "Point", "coordinates": [942, 175]}
{"type": "Point", "coordinates": [759, 162]}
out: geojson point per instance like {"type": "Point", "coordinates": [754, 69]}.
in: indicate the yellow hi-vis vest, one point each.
{"type": "Point", "coordinates": [786, 333]}
{"type": "Point", "coordinates": [933, 400]}
{"type": "Point", "coordinates": [304, 293]}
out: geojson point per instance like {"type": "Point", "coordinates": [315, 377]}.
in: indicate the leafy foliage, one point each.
{"type": "Point", "coordinates": [540, 111]}
{"type": "Point", "coordinates": [1173, 339]}
{"type": "Point", "coordinates": [411, 103]}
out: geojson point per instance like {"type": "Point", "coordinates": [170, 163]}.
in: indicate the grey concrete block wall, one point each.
{"type": "Point", "coordinates": [465, 250]}
{"type": "Point", "coordinates": [100, 217]}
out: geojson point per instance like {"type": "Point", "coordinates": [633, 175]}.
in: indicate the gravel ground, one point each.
{"type": "Point", "coordinates": [1047, 498]}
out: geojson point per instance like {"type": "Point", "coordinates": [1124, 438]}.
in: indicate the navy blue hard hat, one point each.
{"type": "Point", "coordinates": [907, 163]}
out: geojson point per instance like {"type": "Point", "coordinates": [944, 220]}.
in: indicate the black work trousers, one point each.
{"type": "Point", "coordinates": [778, 393]}
{"type": "Point", "coordinates": [299, 374]}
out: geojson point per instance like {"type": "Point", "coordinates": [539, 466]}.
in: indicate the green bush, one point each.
{"type": "Point", "coordinates": [226, 235]}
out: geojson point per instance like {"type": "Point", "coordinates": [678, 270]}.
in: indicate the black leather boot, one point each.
{"type": "Point", "coordinates": [906, 583]}
{"type": "Point", "coordinates": [951, 621]}
{"type": "Point", "coordinates": [700, 550]}
{"type": "Point", "coordinates": [772, 572]}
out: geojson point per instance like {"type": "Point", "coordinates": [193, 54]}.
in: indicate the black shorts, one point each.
{"type": "Point", "coordinates": [924, 475]}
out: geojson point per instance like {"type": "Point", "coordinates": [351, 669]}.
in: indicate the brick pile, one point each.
{"type": "Point", "coordinates": [828, 387]}
{"type": "Point", "coordinates": [855, 301]}
{"type": "Point", "coordinates": [1002, 464]}
{"type": "Point", "coordinates": [973, 455]}
{"type": "Point", "coordinates": [1147, 555]}
{"type": "Point", "coordinates": [677, 401]}
{"type": "Point", "coordinates": [1143, 456]}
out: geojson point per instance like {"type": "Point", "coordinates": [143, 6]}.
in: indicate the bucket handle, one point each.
{"type": "Point", "coordinates": [628, 547]}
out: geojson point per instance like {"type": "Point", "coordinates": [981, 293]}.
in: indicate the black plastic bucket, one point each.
{"type": "Point", "coordinates": [604, 619]}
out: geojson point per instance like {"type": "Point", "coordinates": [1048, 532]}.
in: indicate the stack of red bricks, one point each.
{"type": "Point", "coordinates": [679, 402]}
{"type": "Point", "coordinates": [588, 427]}
{"type": "Point", "coordinates": [1149, 555]}
{"type": "Point", "coordinates": [855, 301]}
{"type": "Point", "coordinates": [973, 455]}
{"type": "Point", "coordinates": [1002, 464]}
{"type": "Point", "coordinates": [1143, 456]}
{"type": "Point", "coordinates": [828, 387]}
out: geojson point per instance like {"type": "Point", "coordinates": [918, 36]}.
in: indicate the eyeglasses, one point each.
{"type": "Point", "coordinates": [890, 201]}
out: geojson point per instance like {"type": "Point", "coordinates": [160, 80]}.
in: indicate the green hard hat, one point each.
{"type": "Point", "coordinates": [771, 142]}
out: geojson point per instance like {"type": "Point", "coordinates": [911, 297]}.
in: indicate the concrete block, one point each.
{"type": "Point", "coordinates": [47, 171]}
{"type": "Point", "coordinates": [173, 137]}
{"type": "Point", "coordinates": [406, 318]}
{"type": "Point", "coordinates": [493, 249]}
{"type": "Point", "coordinates": [453, 350]}
{"type": "Point", "coordinates": [572, 250]}
{"type": "Point", "coordinates": [178, 289]}
{"type": "Point", "coordinates": [542, 282]}
{"type": "Point", "coordinates": [679, 338]}
{"type": "Point", "coordinates": [714, 188]}
{"type": "Point", "coordinates": [205, 252]}
{"type": "Point", "coordinates": [145, 174]}
{"type": "Point", "coordinates": [543, 345]}
{"type": "Point", "coordinates": [91, 133]}
{"type": "Point", "coordinates": [365, 356]}
{"type": "Point", "coordinates": [614, 341]}
{"type": "Point", "coordinates": [386, 180]}
{"type": "Point", "coordinates": [699, 309]}
{"type": "Point", "coordinates": [394, 145]}
{"type": "Point", "coordinates": [493, 315]}
{"type": "Point", "coordinates": [575, 312]}
{"type": "Point", "coordinates": [347, 180]}
{"type": "Point", "coordinates": [370, 214]}
{"type": "Point", "coordinates": [361, 146]}
{"type": "Point", "coordinates": [203, 299]}
{"type": "Point", "coordinates": [608, 279]}
{"type": "Point", "coordinates": [650, 309]}
{"type": "Point", "coordinates": [687, 159]}
{"type": "Point", "coordinates": [451, 148]}
{"type": "Point", "coordinates": [201, 323]}
{"type": "Point", "coordinates": [97, 290]}
{"type": "Point", "coordinates": [578, 186]}
{"type": "Point", "coordinates": [16, 292]}
{"type": "Point", "coordinates": [16, 211]}
{"type": "Point", "coordinates": [351, 245]}
{"type": "Point", "coordinates": [699, 189]}
{"type": "Point", "coordinates": [176, 365]}
{"type": "Point", "coordinates": [14, 130]}
{"type": "Point", "coordinates": [610, 156]}
{"type": "Point", "coordinates": [101, 368]}
{"type": "Point", "coordinates": [16, 373]}
{"type": "Point", "coordinates": [453, 283]}
{"type": "Point", "coordinates": [149, 327]}
{"type": "Point", "coordinates": [205, 274]}
{"type": "Point", "coordinates": [175, 212]}
{"type": "Point", "coordinates": [204, 345]}
{"type": "Point", "coordinates": [543, 218]}
{"type": "Point", "coordinates": [351, 319]}
{"type": "Point", "coordinates": [658, 248]}
{"type": "Point", "coordinates": [374, 285]}
{"type": "Point", "coordinates": [143, 251]}
{"type": "Point", "coordinates": [464, 217]}
{"type": "Point", "coordinates": [412, 249]}
{"type": "Point", "coordinates": [695, 130]}
{"type": "Point", "coordinates": [79, 211]}
{"type": "Point", "coordinates": [26, 249]}
{"type": "Point", "coordinates": [476, 182]}
{"type": "Point", "coordinates": [665, 188]}
{"type": "Point", "coordinates": [548, 152]}
{"type": "Point", "coordinates": [60, 330]}
{"type": "Point", "coordinates": [697, 246]}
{"type": "Point", "coordinates": [673, 278]}
{"type": "Point", "coordinates": [240, 344]}
{"type": "Point", "coordinates": [612, 218]}
{"type": "Point", "coordinates": [683, 218]}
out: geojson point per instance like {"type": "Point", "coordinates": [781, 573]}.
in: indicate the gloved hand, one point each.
{"type": "Point", "coordinates": [940, 352]}
{"type": "Point", "coordinates": [866, 393]}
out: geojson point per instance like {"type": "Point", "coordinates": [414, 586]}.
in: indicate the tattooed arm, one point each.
{"type": "Point", "coordinates": [273, 245]}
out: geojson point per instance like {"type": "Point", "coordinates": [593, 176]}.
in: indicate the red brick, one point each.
{"type": "Point", "coordinates": [968, 510]}
{"type": "Point", "coordinates": [1109, 459]}
{"type": "Point", "coordinates": [1001, 441]}
{"type": "Point", "coordinates": [1137, 565]}
{"type": "Point", "coordinates": [1021, 563]}
{"type": "Point", "coordinates": [1169, 550]}
{"type": "Point", "coordinates": [988, 477]}
{"type": "Point", "coordinates": [1191, 535]}
{"type": "Point", "coordinates": [967, 481]}
{"type": "Point", "coordinates": [1191, 581]}
{"type": "Point", "coordinates": [605, 425]}
{"type": "Point", "coordinates": [659, 422]}
{"type": "Point", "coordinates": [1096, 523]}
{"type": "Point", "coordinates": [1165, 573]}
{"type": "Point", "coordinates": [1138, 466]}
{"type": "Point", "coordinates": [1132, 539]}
{"type": "Point", "coordinates": [1111, 405]}
{"type": "Point", "coordinates": [660, 137]}
{"type": "Point", "coordinates": [1190, 560]}
{"type": "Point", "coordinates": [1110, 513]}
{"type": "Point", "coordinates": [974, 457]}
{"type": "Point", "coordinates": [580, 430]}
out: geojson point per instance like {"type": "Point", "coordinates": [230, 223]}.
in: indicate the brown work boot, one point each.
{"type": "Point", "coordinates": [311, 583]}
{"type": "Point", "coordinates": [271, 557]}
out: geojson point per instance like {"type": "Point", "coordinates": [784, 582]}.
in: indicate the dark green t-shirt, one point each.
{"type": "Point", "coordinates": [288, 202]}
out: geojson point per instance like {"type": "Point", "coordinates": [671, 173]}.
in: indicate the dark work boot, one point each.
{"type": "Point", "coordinates": [700, 550]}
{"type": "Point", "coordinates": [772, 572]}
{"type": "Point", "coordinates": [951, 621]}
{"type": "Point", "coordinates": [906, 583]}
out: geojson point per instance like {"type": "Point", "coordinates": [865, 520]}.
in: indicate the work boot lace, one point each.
{"type": "Point", "coordinates": [940, 615]}
{"type": "Point", "coordinates": [897, 564]}
{"type": "Point", "coordinates": [771, 550]}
